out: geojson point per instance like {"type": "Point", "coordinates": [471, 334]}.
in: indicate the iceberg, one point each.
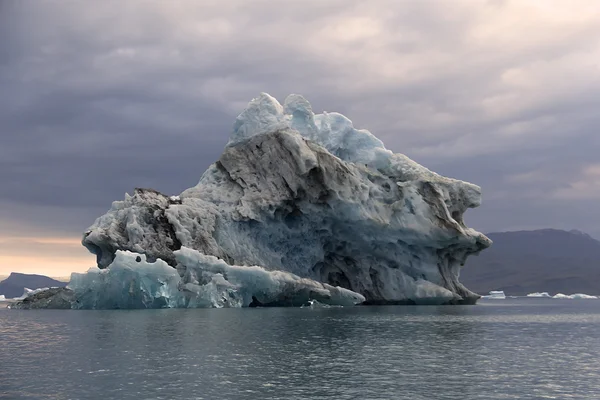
{"type": "Point", "coordinates": [539, 294]}
{"type": "Point", "coordinates": [582, 296]}
{"type": "Point", "coordinates": [574, 296]}
{"type": "Point", "coordinates": [2, 298]}
{"type": "Point", "coordinates": [495, 294]}
{"type": "Point", "coordinates": [563, 296]}
{"type": "Point", "coordinates": [299, 207]}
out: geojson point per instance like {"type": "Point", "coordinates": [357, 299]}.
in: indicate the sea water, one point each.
{"type": "Point", "coordinates": [498, 349]}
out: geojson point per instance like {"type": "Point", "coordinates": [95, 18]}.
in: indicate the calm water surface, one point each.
{"type": "Point", "coordinates": [499, 349]}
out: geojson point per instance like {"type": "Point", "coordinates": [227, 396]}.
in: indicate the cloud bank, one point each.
{"type": "Point", "coordinates": [98, 100]}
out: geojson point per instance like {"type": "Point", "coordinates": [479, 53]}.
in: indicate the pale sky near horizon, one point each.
{"type": "Point", "coordinates": [99, 98]}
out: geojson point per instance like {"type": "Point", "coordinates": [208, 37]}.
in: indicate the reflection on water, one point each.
{"type": "Point", "coordinates": [508, 349]}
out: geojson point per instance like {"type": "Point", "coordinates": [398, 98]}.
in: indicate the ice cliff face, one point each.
{"type": "Point", "coordinates": [307, 196]}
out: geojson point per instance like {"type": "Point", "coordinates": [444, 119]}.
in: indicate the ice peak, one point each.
{"type": "Point", "coordinates": [296, 103]}
{"type": "Point", "coordinates": [262, 115]}
{"type": "Point", "coordinates": [333, 131]}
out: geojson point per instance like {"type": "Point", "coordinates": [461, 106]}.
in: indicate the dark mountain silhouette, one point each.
{"type": "Point", "coordinates": [15, 284]}
{"type": "Point", "coordinates": [547, 260]}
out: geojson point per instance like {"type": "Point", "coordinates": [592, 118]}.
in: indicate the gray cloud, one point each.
{"type": "Point", "coordinates": [99, 100]}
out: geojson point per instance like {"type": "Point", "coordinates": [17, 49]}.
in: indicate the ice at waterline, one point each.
{"type": "Point", "coordinates": [300, 206]}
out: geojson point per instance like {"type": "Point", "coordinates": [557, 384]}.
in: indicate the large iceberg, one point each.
{"type": "Point", "coordinates": [300, 206]}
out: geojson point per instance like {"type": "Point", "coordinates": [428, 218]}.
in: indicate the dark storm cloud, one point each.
{"type": "Point", "coordinates": [97, 100]}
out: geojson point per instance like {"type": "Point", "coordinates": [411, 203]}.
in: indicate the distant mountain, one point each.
{"type": "Point", "coordinates": [15, 284]}
{"type": "Point", "coordinates": [548, 260]}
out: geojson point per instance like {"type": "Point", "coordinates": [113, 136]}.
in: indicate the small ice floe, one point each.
{"type": "Point", "coordinates": [315, 304]}
{"type": "Point", "coordinates": [539, 294]}
{"type": "Point", "coordinates": [495, 294]}
{"type": "Point", "coordinates": [575, 296]}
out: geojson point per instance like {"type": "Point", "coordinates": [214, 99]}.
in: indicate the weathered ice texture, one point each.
{"type": "Point", "coordinates": [55, 298]}
{"type": "Point", "coordinates": [312, 196]}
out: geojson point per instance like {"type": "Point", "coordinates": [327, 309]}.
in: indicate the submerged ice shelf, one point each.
{"type": "Point", "coordinates": [299, 207]}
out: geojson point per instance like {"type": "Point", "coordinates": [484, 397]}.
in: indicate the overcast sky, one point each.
{"type": "Point", "coordinates": [97, 98]}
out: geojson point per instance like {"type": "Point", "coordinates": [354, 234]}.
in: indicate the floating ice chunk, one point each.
{"type": "Point", "coordinates": [539, 294]}
{"type": "Point", "coordinates": [582, 296]}
{"type": "Point", "coordinates": [573, 296]}
{"type": "Point", "coordinates": [562, 295]}
{"type": "Point", "coordinates": [314, 304]}
{"type": "Point", "coordinates": [495, 294]}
